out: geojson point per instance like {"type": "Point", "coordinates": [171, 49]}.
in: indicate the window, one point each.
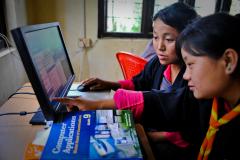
{"type": "Point", "coordinates": [235, 7]}
{"type": "Point", "coordinates": [204, 8]}
{"type": "Point", "coordinates": [127, 21]}
{"type": "Point", "coordinates": [133, 18]}
{"type": "Point", "coordinates": [2, 25]}
{"type": "Point", "coordinates": [125, 18]}
{"type": "Point", "coordinates": [160, 4]}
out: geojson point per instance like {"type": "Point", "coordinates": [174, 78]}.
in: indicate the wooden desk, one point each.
{"type": "Point", "coordinates": [15, 130]}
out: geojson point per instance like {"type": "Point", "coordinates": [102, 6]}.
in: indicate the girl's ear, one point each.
{"type": "Point", "coordinates": [230, 57]}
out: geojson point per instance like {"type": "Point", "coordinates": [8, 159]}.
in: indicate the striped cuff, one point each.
{"type": "Point", "coordinates": [130, 100]}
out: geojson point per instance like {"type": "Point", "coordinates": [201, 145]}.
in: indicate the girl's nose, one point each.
{"type": "Point", "coordinates": [161, 46]}
{"type": "Point", "coordinates": [186, 75]}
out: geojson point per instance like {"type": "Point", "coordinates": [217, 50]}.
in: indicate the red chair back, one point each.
{"type": "Point", "coordinates": [130, 64]}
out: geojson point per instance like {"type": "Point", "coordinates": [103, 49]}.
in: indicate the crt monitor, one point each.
{"type": "Point", "coordinates": [47, 64]}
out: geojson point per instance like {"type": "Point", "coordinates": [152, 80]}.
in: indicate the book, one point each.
{"type": "Point", "coordinates": [100, 134]}
{"type": "Point", "coordinates": [33, 152]}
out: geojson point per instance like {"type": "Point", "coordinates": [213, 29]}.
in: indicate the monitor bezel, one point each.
{"type": "Point", "coordinates": [50, 112]}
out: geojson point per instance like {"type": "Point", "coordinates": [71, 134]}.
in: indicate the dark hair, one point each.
{"type": "Point", "coordinates": [177, 15]}
{"type": "Point", "coordinates": [237, 15]}
{"type": "Point", "coordinates": [211, 36]}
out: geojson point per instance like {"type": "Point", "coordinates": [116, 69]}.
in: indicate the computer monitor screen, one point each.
{"type": "Point", "coordinates": [46, 62]}
{"type": "Point", "coordinates": [50, 59]}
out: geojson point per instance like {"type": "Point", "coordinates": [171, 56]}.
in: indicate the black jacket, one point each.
{"type": "Point", "coordinates": [152, 75]}
{"type": "Point", "coordinates": [178, 110]}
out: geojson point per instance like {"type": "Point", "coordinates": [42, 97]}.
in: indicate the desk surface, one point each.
{"type": "Point", "coordinates": [15, 130]}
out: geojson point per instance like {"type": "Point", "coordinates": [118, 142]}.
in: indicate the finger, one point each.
{"type": "Point", "coordinates": [90, 81]}
{"type": "Point", "coordinates": [96, 87]}
{"type": "Point", "coordinates": [69, 108]}
{"type": "Point", "coordinates": [63, 100]}
{"type": "Point", "coordinates": [85, 80]}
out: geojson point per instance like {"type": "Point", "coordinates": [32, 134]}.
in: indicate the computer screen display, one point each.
{"type": "Point", "coordinates": [45, 58]}
{"type": "Point", "coordinates": [49, 59]}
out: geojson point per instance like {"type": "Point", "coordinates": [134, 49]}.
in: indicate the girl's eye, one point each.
{"type": "Point", "coordinates": [170, 39]}
{"type": "Point", "coordinates": [189, 65]}
{"type": "Point", "coordinates": [155, 37]}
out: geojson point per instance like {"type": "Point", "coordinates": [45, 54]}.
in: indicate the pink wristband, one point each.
{"type": "Point", "coordinates": [176, 138]}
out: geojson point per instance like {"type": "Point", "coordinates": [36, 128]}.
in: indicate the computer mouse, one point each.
{"type": "Point", "coordinates": [83, 88]}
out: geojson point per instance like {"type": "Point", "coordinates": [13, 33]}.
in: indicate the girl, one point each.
{"type": "Point", "coordinates": [163, 73]}
{"type": "Point", "coordinates": [210, 48]}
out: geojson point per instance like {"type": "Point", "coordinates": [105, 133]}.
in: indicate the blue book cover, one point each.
{"type": "Point", "coordinates": [100, 134]}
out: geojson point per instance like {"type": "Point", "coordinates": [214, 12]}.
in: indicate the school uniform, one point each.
{"type": "Point", "coordinates": [152, 75]}
{"type": "Point", "coordinates": [180, 111]}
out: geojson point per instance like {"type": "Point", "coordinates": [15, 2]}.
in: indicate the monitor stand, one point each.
{"type": "Point", "coordinates": [38, 118]}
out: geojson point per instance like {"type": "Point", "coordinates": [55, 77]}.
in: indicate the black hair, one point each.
{"type": "Point", "coordinates": [211, 36]}
{"type": "Point", "coordinates": [177, 15]}
{"type": "Point", "coordinates": [237, 15]}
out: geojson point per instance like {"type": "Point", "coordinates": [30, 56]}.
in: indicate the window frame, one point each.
{"type": "Point", "coordinates": [147, 12]}
{"type": "Point", "coordinates": [223, 6]}
{"type": "Point", "coordinates": [220, 5]}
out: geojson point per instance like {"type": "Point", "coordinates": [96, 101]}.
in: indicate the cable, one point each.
{"type": "Point", "coordinates": [29, 93]}
{"type": "Point", "coordinates": [6, 40]}
{"type": "Point", "coordinates": [24, 87]}
{"type": "Point", "coordinates": [22, 113]}
{"type": "Point", "coordinates": [9, 44]}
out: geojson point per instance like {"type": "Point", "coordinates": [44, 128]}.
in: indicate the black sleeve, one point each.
{"type": "Point", "coordinates": [144, 81]}
{"type": "Point", "coordinates": [161, 109]}
{"type": "Point", "coordinates": [175, 111]}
